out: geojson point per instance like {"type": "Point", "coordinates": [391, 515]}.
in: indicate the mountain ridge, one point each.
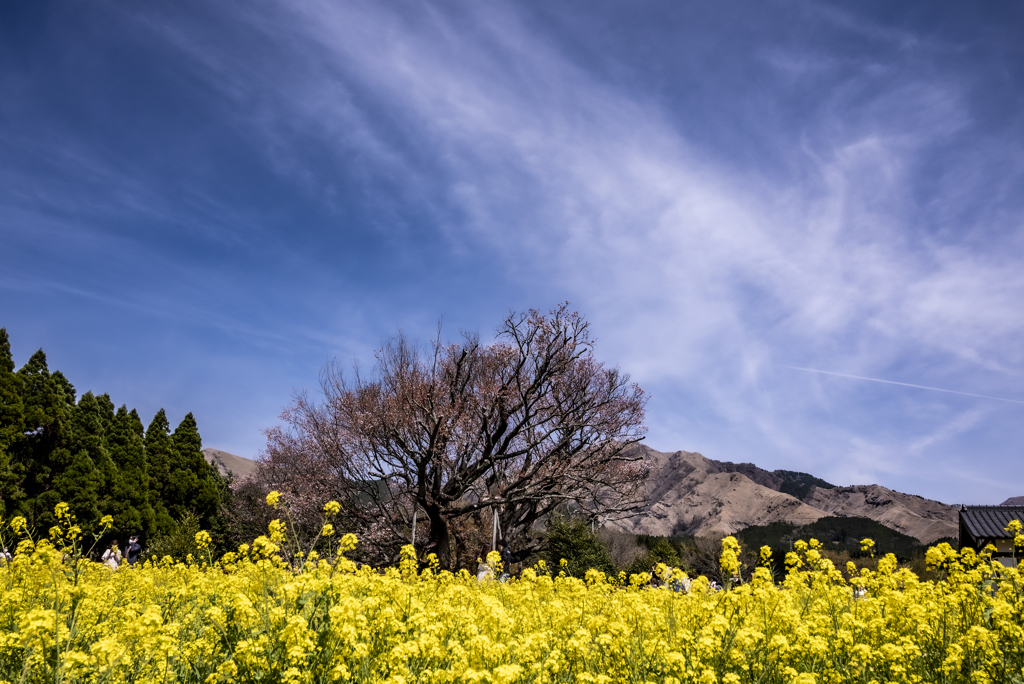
{"type": "Point", "coordinates": [690, 494]}
{"type": "Point", "coordinates": [230, 464]}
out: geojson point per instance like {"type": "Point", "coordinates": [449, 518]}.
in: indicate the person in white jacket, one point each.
{"type": "Point", "coordinates": [484, 571]}
{"type": "Point", "coordinates": [112, 556]}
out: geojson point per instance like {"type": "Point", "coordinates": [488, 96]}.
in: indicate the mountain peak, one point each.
{"type": "Point", "coordinates": [230, 464]}
{"type": "Point", "coordinates": [690, 494]}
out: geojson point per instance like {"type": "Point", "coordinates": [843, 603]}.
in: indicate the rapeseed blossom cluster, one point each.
{"type": "Point", "coordinates": [252, 617]}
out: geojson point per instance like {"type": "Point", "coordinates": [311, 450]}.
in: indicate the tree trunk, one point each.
{"type": "Point", "coordinates": [440, 538]}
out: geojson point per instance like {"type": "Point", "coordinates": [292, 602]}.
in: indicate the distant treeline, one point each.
{"type": "Point", "coordinates": [97, 458]}
{"type": "Point", "coordinates": [836, 533]}
{"type": "Point", "coordinates": [614, 551]}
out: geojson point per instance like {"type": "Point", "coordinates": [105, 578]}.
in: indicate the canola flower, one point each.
{"type": "Point", "coordinates": [250, 617]}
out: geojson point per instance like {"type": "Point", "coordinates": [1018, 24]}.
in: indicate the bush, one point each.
{"type": "Point", "coordinates": [179, 544]}
{"type": "Point", "coordinates": [575, 542]}
{"type": "Point", "coordinates": [659, 550]}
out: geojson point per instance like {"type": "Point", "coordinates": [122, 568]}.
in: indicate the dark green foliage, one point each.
{"type": "Point", "coordinates": [136, 423]}
{"type": "Point", "coordinates": [839, 533]}
{"type": "Point", "coordinates": [662, 549]}
{"type": "Point", "coordinates": [37, 393]}
{"type": "Point", "coordinates": [178, 543]}
{"type": "Point", "coordinates": [105, 408]}
{"type": "Point", "coordinates": [799, 484]}
{"type": "Point", "coordinates": [127, 492]}
{"type": "Point", "coordinates": [79, 483]}
{"type": "Point", "coordinates": [578, 545]}
{"type": "Point", "coordinates": [219, 525]}
{"type": "Point", "coordinates": [193, 481]}
{"type": "Point", "coordinates": [48, 400]}
{"type": "Point", "coordinates": [161, 455]}
{"type": "Point", "coordinates": [757, 536]}
{"type": "Point", "coordinates": [835, 533]}
{"type": "Point", "coordinates": [97, 460]}
{"type": "Point", "coordinates": [791, 482]}
{"type": "Point", "coordinates": [659, 550]}
{"type": "Point", "coordinates": [83, 481]}
{"type": "Point", "coordinates": [700, 555]}
{"type": "Point", "coordinates": [12, 425]}
{"type": "Point", "coordinates": [6, 358]}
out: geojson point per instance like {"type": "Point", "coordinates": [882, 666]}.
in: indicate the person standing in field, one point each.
{"type": "Point", "coordinates": [112, 556]}
{"type": "Point", "coordinates": [655, 581]}
{"type": "Point", "coordinates": [483, 570]}
{"type": "Point", "coordinates": [506, 561]}
{"type": "Point", "coordinates": [134, 550]}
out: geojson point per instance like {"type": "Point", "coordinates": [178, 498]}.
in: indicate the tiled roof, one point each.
{"type": "Point", "coordinates": [987, 522]}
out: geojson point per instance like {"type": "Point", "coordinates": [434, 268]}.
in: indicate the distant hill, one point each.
{"type": "Point", "coordinates": [230, 464]}
{"type": "Point", "coordinates": [790, 482]}
{"type": "Point", "coordinates": [1014, 501]}
{"type": "Point", "coordinates": [910, 514]}
{"type": "Point", "coordinates": [689, 494]}
{"type": "Point", "coordinates": [835, 533]}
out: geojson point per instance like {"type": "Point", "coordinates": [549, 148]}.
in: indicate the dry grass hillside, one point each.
{"type": "Point", "coordinates": [230, 463]}
{"type": "Point", "coordinates": [693, 495]}
{"type": "Point", "coordinates": [910, 514]}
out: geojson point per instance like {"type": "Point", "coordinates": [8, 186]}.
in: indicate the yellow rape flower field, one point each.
{"type": "Point", "coordinates": [249, 617]}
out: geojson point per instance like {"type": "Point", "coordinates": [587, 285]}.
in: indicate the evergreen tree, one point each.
{"type": "Point", "coordinates": [12, 424]}
{"type": "Point", "coordinates": [83, 482]}
{"type": "Point", "coordinates": [194, 480]}
{"type": "Point", "coordinates": [98, 460]}
{"type": "Point", "coordinates": [128, 491]}
{"type": "Point", "coordinates": [106, 411]}
{"type": "Point", "coordinates": [137, 424]}
{"type": "Point", "coordinates": [80, 484]}
{"type": "Point", "coordinates": [161, 455]}
{"type": "Point", "coordinates": [47, 400]}
{"type": "Point", "coordinates": [579, 546]}
{"type": "Point", "coordinates": [62, 386]}
{"type": "Point", "coordinates": [101, 419]}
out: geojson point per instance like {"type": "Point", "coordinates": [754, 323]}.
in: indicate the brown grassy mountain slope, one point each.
{"type": "Point", "coordinates": [229, 463]}
{"type": "Point", "coordinates": [689, 494]}
{"type": "Point", "coordinates": [918, 517]}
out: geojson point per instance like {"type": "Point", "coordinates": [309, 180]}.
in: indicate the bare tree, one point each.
{"type": "Point", "coordinates": [622, 546]}
{"type": "Point", "coordinates": [468, 431]}
{"type": "Point", "coordinates": [702, 554]}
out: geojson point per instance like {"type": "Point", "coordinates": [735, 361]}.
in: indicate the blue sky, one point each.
{"type": "Point", "coordinates": [762, 207]}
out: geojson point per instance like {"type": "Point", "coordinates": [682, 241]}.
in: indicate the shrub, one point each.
{"type": "Point", "coordinates": [579, 546]}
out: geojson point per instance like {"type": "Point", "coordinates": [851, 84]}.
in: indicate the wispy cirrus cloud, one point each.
{"type": "Point", "coordinates": [700, 273]}
{"type": "Point", "coordinates": [808, 185]}
{"type": "Point", "coordinates": [905, 384]}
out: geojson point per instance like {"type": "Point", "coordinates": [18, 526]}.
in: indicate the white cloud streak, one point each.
{"type": "Point", "coordinates": [697, 272]}
{"type": "Point", "coordinates": [904, 384]}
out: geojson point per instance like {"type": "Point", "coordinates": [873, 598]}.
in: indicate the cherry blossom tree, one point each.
{"type": "Point", "coordinates": [455, 434]}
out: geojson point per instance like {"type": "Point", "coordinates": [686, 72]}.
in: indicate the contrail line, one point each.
{"type": "Point", "coordinates": [904, 384]}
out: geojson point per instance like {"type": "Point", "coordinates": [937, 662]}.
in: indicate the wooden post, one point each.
{"type": "Point", "coordinates": [494, 529]}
